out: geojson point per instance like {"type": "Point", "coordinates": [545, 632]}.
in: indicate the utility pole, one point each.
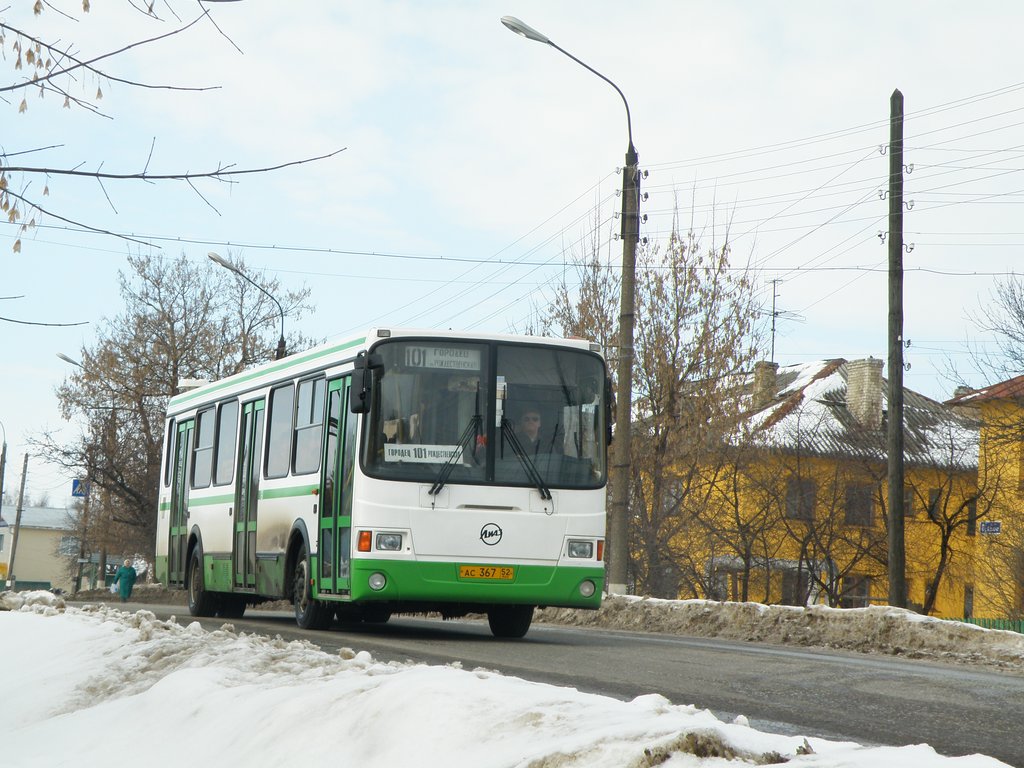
{"type": "Point", "coordinates": [12, 580]}
{"type": "Point", "coordinates": [618, 537]}
{"type": "Point", "coordinates": [775, 314]}
{"type": "Point", "coordinates": [897, 544]}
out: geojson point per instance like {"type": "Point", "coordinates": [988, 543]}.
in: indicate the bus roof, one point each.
{"type": "Point", "coordinates": [315, 358]}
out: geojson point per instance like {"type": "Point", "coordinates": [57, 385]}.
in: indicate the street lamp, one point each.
{"type": "Point", "coordinates": [228, 265]}
{"type": "Point", "coordinates": [3, 466]}
{"type": "Point", "coordinates": [619, 514]}
{"type": "Point", "coordinates": [88, 496]}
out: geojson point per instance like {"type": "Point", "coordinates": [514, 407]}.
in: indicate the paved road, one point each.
{"type": "Point", "coordinates": [868, 699]}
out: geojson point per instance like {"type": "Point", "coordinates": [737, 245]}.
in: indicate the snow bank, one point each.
{"type": "Point", "coordinates": [97, 686]}
{"type": "Point", "coordinates": [877, 629]}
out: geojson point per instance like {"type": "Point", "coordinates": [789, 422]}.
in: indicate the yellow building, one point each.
{"type": "Point", "coordinates": [998, 553]}
{"type": "Point", "coordinates": [793, 510]}
{"type": "Point", "coordinates": [46, 542]}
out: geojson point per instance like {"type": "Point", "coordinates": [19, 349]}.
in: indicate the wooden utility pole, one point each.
{"type": "Point", "coordinates": [12, 580]}
{"type": "Point", "coordinates": [897, 545]}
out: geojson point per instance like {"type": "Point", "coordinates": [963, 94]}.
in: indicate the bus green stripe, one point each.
{"type": "Point", "coordinates": [209, 389]}
{"type": "Point", "coordinates": [430, 581]}
{"type": "Point", "coordinates": [283, 493]}
{"type": "Point", "coordinates": [222, 499]}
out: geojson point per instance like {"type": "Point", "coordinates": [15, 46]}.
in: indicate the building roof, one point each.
{"type": "Point", "coordinates": [52, 518]}
{"type": "Point", "coordinates": [808, 412]}
{"type": "Point", "coordinates": [1004, 390]}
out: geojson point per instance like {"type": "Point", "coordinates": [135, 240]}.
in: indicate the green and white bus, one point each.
{"type": "Point", "coordinates": [401, 472]}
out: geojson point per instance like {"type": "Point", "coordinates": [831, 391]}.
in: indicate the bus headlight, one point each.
{"type": "Point", "coordinates": [377, 581]}
{"type": "Point", "coordinates": [389, 542]}
{"type": "Point", "coordinates": [581, 549]}
{"type": "Point", "coordinates": [587, 588]}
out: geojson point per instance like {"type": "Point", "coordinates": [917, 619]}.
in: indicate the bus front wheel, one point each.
{"type": "Point", "coordinates": [309, 613]}
{"type": "Point", "coordinates": [510, 621]}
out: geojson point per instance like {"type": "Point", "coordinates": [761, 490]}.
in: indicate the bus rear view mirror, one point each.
{"type": "Point", "coordinates": [362, 382]}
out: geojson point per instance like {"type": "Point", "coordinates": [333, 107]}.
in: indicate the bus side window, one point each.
{"type": "Point", "coordinates": [279, 434]}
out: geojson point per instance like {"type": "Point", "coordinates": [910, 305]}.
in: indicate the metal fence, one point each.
{"type": "Point", "coordinates": [1013, 625]}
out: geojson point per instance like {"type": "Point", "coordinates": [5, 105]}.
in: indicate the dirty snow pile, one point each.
{"type": "Point", "coordinates": [876, 629]}
{"type": "Point", "coordinates": [97, 687]}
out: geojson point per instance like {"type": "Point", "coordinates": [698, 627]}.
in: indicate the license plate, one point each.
{"type": "Point", "coordinates": [494, 572]}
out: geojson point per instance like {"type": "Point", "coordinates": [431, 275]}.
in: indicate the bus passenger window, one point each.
{"type": "Point", "coordinates": [279, 434]}
{"type": "Point", "coordinates": [227, 432]}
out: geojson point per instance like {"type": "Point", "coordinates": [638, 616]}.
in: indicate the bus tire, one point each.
{"type": "Point", "coordinates": [376, 614]}
{"type": "Point", "coordinates": [510, 621]}
{"type": "Point", "coordinates": [309, 613]}
{"type": "Point", "coordinates": [200, 602]}
{"type": "Point", "coordinates": [232, 607]}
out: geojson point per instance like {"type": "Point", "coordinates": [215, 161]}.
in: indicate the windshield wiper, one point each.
{"type": "Point", "coordinates": [509, 432]}
{"type": "Point", "coordinates": [472, 430]}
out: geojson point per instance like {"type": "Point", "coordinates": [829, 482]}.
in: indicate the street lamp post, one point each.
{"type": "Point", "coordinates": [618, 529]}
{"type": "Point", "coordinates": [228, 265]}
{"type": "Point", "coordinates": [84, 532]}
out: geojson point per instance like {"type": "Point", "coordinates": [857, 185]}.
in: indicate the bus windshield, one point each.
{"type": "Point", "coordinates": [487, 413]}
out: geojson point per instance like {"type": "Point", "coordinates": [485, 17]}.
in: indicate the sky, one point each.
{"type": "Point", "coordinates": [99, 678]}
{"type": "Point", "coordinates": [478, 166]}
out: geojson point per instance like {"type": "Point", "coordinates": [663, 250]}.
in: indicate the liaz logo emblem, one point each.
{"type": "Point", "coordinates": [490, 534]}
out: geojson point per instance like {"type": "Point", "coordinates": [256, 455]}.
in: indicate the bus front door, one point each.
{"type": "Point", "coordinates": [247, 492]}
{"type": "Point", "coordinates": [178, 539]}
{"type": "Point", "coordinates": [335, 534]}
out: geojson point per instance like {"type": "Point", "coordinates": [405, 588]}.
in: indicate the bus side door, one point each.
{"type": "Point", "coordinates": [247, 491]}
{"type": "Point", "coordinates": [335, 534]}
{"type": "Point", "coordinates": [178, 538]}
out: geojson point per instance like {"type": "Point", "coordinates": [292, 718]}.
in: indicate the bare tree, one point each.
{"type": "Point", "coordinates": [180, 320]}
{"type": "Point", "coordinates": [51, 66]}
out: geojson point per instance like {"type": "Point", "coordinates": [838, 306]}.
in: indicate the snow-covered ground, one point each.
{"type": "Point", "coordinates": [97, 686]}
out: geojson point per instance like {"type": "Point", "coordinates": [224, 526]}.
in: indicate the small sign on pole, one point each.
{"type": "Point", "coordinates": [79, 488]}
{"type": "Point", "coordinates": [992, 527]}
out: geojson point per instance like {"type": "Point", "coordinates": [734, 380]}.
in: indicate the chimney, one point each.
{"type": "Point", "coordinates": [864, 392]}
{"type": "Point", "coordinates": [962, 390]}
{"type": "Point", "coordinates": [764, 382]}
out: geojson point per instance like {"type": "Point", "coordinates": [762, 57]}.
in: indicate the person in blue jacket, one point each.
{"type": "Point", "coordinates": [125, 579]}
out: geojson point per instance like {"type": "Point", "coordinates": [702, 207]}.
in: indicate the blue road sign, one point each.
{"type": "Point", "coordinates": [991, 526]}
{"type": "Point", "coordinates": [79, 489]}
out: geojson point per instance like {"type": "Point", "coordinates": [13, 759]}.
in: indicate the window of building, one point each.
{"type": "Point", "coordinates": [227, 433]}
{"type": "Point", "coordinates": [309, 425]}
{"type": "Point", "coordinates": [68, 545]}
{"type": "Point", "coordinates": [934, 503]}
{"type": "Point", "coordinates": [856, 592]}
{"type": "Point", "coordinates": [279, 438]}
{"type": "Point", "coordinates": [859, 505]}
{"type": "Point", "coordinates": [972, 517]}
{"type": "Point", "coordinates": [795, 587]}
{"type": "Point", "coordinates": [801, 496]}
{"type": "Point", "coordinates": [908, 501]}
{"type": "Point", "coordinates": [202, 454]}
{"type": "Point", "coordinates": [968, 601]}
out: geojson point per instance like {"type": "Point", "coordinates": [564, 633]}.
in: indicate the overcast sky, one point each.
{"type": "Point", "coordinates": [466, 143]}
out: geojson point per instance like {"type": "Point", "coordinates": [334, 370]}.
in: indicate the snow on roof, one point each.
{"type": "Point", "coordinates": [53, 518]}
{"type": "Point", "coordinates": [809, 413]}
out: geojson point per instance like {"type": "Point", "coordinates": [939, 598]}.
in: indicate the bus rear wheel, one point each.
{"type": "Point", "coordinates": [309, 613]}
{"type": "Point", "coordinates": [200, 602]}
{"type": "Point", "coordinates": [510, 621]}
{"type": "Point", "coordinates": [232, 607]}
